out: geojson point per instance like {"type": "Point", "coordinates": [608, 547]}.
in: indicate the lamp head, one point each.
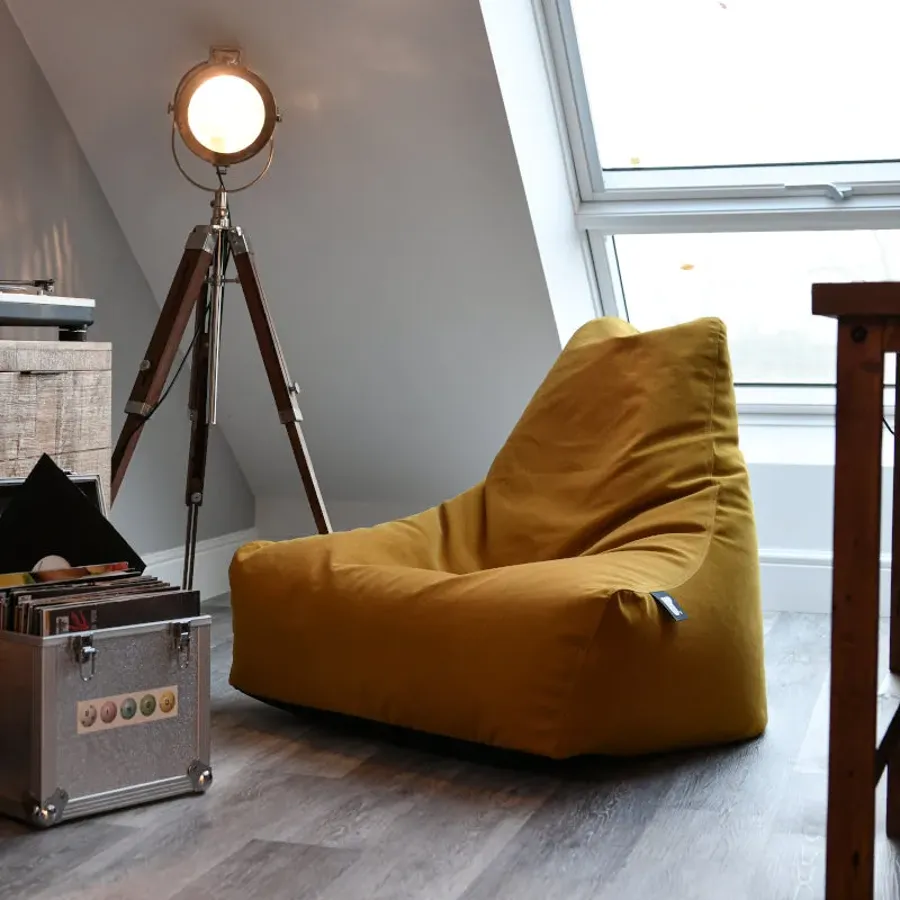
{"type": "Point", "coordinates": [223, 111]}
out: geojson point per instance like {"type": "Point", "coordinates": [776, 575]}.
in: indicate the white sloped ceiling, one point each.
{"type": "Point", "coordinates": [392, 233]}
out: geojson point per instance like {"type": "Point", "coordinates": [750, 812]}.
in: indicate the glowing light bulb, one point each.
{"type": "Point", "coordinates": [226, 114]}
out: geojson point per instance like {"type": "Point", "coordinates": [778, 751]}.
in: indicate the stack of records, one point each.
{"type": "Point", "coordinates": [69, 569]}
{"type": "Point", "coordinates": [57, 601]}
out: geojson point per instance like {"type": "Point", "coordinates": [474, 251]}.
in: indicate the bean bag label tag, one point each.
{"type": "Point", "coordinates": [121, 710]}
{"type": "Point", "coordinates": [670, 605]}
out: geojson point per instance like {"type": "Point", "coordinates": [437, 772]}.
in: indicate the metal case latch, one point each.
{"type": "Point", "coordinates": [182, 632]}
{"type": "Point", "coordinates": [85, 655]}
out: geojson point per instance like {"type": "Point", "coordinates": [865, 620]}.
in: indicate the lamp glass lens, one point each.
{"type": "Point", "coordinates": [226, 114]}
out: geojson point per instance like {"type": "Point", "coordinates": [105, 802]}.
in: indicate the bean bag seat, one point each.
{"type": "Point", "coordinates": [526, 612]}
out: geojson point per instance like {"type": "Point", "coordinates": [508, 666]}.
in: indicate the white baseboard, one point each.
{"type": "Point", "coordinates": [211, 562]}
{"type": "Point", "coordinates": [800, 581]}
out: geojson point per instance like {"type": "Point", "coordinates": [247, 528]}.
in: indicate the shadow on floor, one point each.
{"type": "Point", "coordinates": [581, 768]}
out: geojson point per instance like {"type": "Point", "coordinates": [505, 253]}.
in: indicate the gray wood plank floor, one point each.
{"type": "Point", "coordinates": [311, 806]}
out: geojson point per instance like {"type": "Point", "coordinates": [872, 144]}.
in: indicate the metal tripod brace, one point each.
{"type": "Point", "coordinates": [198, 285]}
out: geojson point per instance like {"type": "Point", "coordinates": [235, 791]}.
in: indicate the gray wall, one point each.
{"type": "Point", "coordinates": [392, 233]}
{"type": "Point", "coordinates": [55, 221]}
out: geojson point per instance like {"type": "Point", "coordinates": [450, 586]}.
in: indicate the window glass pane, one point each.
{"type": "Point", "coordinates": [740, 82]}
{"type": "Point", "coordinates": [760, 285]}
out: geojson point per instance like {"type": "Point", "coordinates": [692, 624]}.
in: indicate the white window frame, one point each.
{"type": "Point", "coordinates": [839, 197]}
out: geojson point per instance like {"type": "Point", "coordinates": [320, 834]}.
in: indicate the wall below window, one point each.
{"type": "Point", "coordinates": [792, 479]}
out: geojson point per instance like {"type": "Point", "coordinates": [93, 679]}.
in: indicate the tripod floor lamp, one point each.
{"type": "Point", "coordinates": [225, 114]}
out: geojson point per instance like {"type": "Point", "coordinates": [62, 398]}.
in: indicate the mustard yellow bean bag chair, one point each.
{"type": "Point", "coordinates": [522, 612]}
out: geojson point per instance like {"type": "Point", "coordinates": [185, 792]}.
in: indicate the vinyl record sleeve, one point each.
{"type": "Point", "coordinates": [51, 516]}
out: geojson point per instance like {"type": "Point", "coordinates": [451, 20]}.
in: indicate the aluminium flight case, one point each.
{"type": "Point", "coordinates": [100, 720]}
{"type": "Point", "coordinates": [96, 721]}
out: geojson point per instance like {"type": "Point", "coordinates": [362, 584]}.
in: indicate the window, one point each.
{"type": "Point", "coordinates": [730, 153]}
{"type": "Point", "coordinates": [758, 282]}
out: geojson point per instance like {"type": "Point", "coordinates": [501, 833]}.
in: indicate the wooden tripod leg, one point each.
{"type": "Point", "coordinates": [157, 362]}
{"type": "Point", "coordinates": [283, 389]}
{"type": "Point", "coordinates": [197, 455]}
